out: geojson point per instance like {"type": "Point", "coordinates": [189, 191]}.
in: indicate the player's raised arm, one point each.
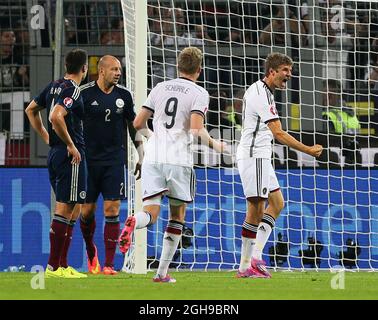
{"type": "Point", "coordinates": [197, 129]}
{"type": "Point", "coordinates": [287, 139]}
{"type": "Point", "coordinates": [33, 112]}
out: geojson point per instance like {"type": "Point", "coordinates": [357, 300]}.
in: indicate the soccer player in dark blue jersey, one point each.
{"type": "Point", "coordinates": [66, 159]}
{"type": "Point", "coordinates": [109, 112]}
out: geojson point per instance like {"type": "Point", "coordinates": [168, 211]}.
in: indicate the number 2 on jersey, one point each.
{"type": "Point", "coordinates": [171, 111]}
{"type": "Point", "coordinates": [107, 115]}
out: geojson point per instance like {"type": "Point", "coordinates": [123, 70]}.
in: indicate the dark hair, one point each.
{"type": "Point", "coordinates": [75, 60]}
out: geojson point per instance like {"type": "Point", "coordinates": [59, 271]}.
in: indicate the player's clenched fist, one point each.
{"type": "Point", "coordinates": [316, 150]}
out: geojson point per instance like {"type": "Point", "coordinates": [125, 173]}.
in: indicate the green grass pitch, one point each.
{"type": "Point", "coordinates": [193, 286]}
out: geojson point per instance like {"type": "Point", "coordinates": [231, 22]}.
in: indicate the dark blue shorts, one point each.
{"type": "Point", "coordinates": [68, 181]}
{"type": "Point", "coordinates": [108, 180]}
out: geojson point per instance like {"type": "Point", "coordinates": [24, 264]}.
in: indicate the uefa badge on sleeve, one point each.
{"type": "Point", "coordinates": [68, 102]}
{"type": "Point", "coordinates": [273, 110]}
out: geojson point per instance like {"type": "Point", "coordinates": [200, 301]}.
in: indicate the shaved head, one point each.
{"type": "Point", "coordinates": [107, 60]}
{"type": "Point", "coordinates": [109, 71]}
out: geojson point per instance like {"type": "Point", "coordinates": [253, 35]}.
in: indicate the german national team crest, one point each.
{"type": "Point", "coordinates": [119, 103]}
{"type": "Point", "coordinates": [68, 102]}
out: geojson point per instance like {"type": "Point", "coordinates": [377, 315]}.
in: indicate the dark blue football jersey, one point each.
{"type": "Point", "coordinates": [66, 93]}
{"type": "Point", "coordinates": [105, 121]}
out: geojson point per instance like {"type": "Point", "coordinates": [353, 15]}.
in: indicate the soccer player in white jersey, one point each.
{"type": "Point", "coordinates": [178, 107]}
{"type": "Point", "coordinates": [260, 124]}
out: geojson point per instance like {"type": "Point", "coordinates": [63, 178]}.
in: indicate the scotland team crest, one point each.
{"type": "Point", "coordinates": [119, 103]}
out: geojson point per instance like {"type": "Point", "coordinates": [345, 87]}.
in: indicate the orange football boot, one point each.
{"type": "Point", "coordinates": [94, 265]}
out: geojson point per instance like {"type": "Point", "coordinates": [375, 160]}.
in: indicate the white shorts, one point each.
{"type": "Point", "coordinates": [176, 182]}
{"type": "Point", "coordinates": [258, 177]}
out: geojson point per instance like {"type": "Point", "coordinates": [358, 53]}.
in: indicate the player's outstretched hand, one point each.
{"type": "Point", "coordinates": [316, 150]}
{"type": "Point", "coordinates": [138, 171]}
{"type": "Point", "coordinates": [72, 151]}
{"type": "Point", "coordinates": [220, 146]}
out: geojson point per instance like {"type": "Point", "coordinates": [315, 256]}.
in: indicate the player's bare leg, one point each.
{"type": "Point", "coordinates": [111, 233]}
{"type": "Point", "coordinates": [142, 219]}
{"type": "Point", "coordinates": [255, 210]}
{"type": "Point", "coordinates": [171, 240]}
{"type": "Point", "coordinates": [88, 227]}
{"type": "Point", "coordinates": [275, 203]}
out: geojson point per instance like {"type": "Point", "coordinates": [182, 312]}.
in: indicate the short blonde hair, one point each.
{"type": "Point", "coordinates": [189, 60]}
{"type": "Point", "coordinates": [275, 60]}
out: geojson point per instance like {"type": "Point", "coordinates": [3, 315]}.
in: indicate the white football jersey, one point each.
{"type": "Point", "coordinates": [258, 109]}
{"type": "Point", "coordinates": [172, 103]}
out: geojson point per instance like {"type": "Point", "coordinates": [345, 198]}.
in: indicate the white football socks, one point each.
{"type": "Point", "coordinates": [246, 253]}
{"type": "Point", "coordinates": [263, 232]}
{"type": "Point", "coordinates": [172, 236]}
{"type": "Point", "coordinates": [248, 240]}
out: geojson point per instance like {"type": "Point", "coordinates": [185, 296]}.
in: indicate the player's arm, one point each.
{"type": "Point", "coordinates": [33, 112]}
{"type": "Point", "coordinates": [285, 138]}
{"type": "Point", "coordinates": [198, 130]}
{"type": "Point", "coordinates": [57, 119]}
{"type": "Point", "coordinates": [138, 144]}
{"type": "Point", "coordinates": [140, 122]}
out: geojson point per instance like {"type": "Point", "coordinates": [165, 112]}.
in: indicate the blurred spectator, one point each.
{"type": "Point", "coordinates": [341, 120]}
{"type": "Point", "coordinates": [174, 32]}
{"type": "Point", "coordinates": [236, 109]}
{"type": "Point", "coordinates": [13, 74]}
{"type": "Point", "coordinates": [340, 40]}
{"type": "Point", "coordinates": [335, 58]}
{"type": "Point", "coordinates": [372, 70]}
{"type": "Point", "coordinates": [199, 36]}
{"type": "Point", "coordinates": [311, 256]}
{"type": "Point", "coordinates": [234, 36]}
{"type": "Point", "coordinates": [279, 252]}
{"type": "Point", "coordinates": [218, 115]}
{"type": "Point", "coordinates": [88, 20]}
{"type": "Point", "coordinates": [22, 36]}
{"type": "Point", "coordinates": [106, 38]}
{"type": "Point", "coordinates": [305, 17]}
{"type": "Point", "coordinates": [348, 257]}
{"type": "Point", "coordinates": [275, 32]}
{"type": "Point", "coordinates": [372, 76]}
{"type": "Point", "coordinates": [117, 31]}
{"type": "Point", "coordinates": [114, 36]}
{"type": "Point", "coordinates": [70, 32]}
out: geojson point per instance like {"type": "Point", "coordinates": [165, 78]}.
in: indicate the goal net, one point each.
{"type": "Point", "coordinates": [331, 203]}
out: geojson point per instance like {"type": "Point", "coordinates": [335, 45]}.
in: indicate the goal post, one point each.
{"type": "Point", "coordinates": [135, 34]}
{"type": "Point", "coordinates": [331, 203]}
